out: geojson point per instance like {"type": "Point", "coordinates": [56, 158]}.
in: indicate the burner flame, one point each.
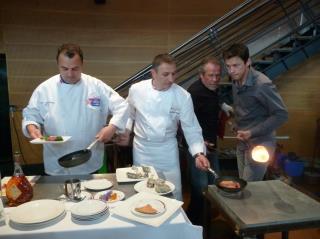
{"type": "Point", "coordinates": [260, 154]}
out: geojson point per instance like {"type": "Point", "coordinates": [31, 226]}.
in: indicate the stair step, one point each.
{"type": "Point", "coordinates": [302, 38]}
{"type": "Point", "coordinates": [282, 50]}
{"type": "Point", "coordinates": [263, 62]}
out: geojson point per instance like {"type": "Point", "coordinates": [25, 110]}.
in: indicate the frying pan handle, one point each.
{"type": "Point", "coordinates": [92, 144]}
{"type": "Point", "coordinates": [213, 172]}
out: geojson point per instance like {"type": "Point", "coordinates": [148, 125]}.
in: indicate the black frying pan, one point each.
{"type": "Point", "coordinates": [218, 181]}
{"type": "Point", "coordinates": [76, 158]}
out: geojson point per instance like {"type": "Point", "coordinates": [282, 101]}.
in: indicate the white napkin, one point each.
{"type": "Point", "coordinates": [124, 210]}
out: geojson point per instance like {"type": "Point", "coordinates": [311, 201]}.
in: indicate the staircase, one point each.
{"type": "Point", "coordinates": [288, 52]}
{"type": "Point", "coordinates": [279, 33]}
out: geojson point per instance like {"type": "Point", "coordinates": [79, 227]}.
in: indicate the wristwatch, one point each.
{"type": "Point", "coordinates": [197, 155]}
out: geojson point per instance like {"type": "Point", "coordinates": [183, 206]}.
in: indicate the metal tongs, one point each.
{"type": "Point", "coordinates": [213, 172]}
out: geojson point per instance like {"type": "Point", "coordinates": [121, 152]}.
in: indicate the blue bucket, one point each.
{"type": "Point", "coordinates": [293, 168]}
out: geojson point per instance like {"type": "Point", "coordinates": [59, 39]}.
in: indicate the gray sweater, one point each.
{"type": "Point", "coordinates": [258, 108]}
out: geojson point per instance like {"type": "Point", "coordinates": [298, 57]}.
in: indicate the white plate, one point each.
{"type": "Point", "coordinates": [120, 196]}
{"type": "Point", "coordinates": [37, 211]}
{"type": "Point", "coordinates": [154, 203]}
{"type": "Point", "coordinates": [142, 187]}
{"type": "Point", "coordinates": [121, 174]}
{"type": "Point", "coordinates": [42, 141]}
{"type": "Point", "coordinates": [97, 184]}
{"type": "Point", "coordinates": [88, 208]}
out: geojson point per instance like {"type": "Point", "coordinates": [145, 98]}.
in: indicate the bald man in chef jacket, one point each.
{"type": "Point", "coordinates": [157, 106]}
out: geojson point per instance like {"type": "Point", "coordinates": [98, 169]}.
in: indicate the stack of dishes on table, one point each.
{"type": "Point", "coordinates": [89, 210]}
{"type": "Point", "coordinates": [37, 214]}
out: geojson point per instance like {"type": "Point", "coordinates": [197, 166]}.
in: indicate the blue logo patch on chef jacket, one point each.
{"type": "Point", "coordinates": [94, 101]}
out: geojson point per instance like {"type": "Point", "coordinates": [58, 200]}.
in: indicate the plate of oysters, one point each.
{"type": "Point", "coordinates": [135, 173]}
{"type": "Point", "coordinates": [156, 186]}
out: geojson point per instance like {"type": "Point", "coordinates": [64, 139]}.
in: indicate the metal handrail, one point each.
{"type": "Point", "coordinates": [246, 23]}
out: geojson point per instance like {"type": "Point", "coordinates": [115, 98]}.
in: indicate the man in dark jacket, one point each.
{"type": "Point", "coordinates": [207, 106]}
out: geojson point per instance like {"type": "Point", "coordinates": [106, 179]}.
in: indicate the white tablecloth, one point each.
{"type": "Point", "coordinates": [111, 226]}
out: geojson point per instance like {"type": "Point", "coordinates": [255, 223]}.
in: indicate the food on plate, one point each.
{"type": "Point", "coordinates": [151, 182]}
{"type": "Point", "coordinates": [146, 169]}
{"type": "Point", "coordinates": [109, 196]}
{"type": "Point", "coordinates": [161, 186]}
{"type": "Point", "coordinates": [146, 209]}
{"type": "Point", "coordinates": [52, 138]}
{"type": "Point", "coordinates": [113, 197]}
{"type": "Point", "coordinates": [164, 188]}
{"type": "Point", "coordinates": [229, 184]}
{"type": "Point", "coordinates": [135, 175]}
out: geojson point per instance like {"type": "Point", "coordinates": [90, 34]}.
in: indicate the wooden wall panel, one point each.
{"type": "Point", "coordinates": [88, 6]}
{"type": "Point", "coordinates": [101, 53]}
{"type": "Point", "coordinates": [1, 39]}
{"type": "Point", "coordinates": [90, 37]}
{"type": "Point", "coordinates": [209, 8]}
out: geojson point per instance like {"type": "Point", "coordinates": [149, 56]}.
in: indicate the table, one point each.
{"type": "Point", "coordinates": [267, 206]}
{"type": "Point", "coordinates": [112, 226]}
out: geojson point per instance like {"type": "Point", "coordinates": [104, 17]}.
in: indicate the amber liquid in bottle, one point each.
{"type": "Point", "coordinates": [18, 188]}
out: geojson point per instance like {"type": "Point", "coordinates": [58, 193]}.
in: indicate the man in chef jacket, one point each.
{"type": "Point", "coordinates": [73, 104]}
{"type": "Point", "coordinates": [156, 107]}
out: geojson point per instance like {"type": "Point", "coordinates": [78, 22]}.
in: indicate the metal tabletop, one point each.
{"type": "Point", "coordinates": [53, 186]}
{"type": "Point", "coordinates": [267, 206]}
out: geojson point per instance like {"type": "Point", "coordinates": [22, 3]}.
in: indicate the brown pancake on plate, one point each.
{"type": "Point", "coordinates": [147, 209]}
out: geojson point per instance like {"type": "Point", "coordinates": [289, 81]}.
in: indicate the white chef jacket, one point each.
{"type": "Point", "coordinates": [156, 115]}
{"type": "Point", "coordinates": [78, 110]}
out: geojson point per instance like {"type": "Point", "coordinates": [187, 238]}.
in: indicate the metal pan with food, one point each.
{"type": "Point", "coordinates": [76, 158]}
{"type": "Point", "coordinates": [228, 184]}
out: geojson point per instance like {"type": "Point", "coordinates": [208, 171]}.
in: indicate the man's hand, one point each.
{"type": "Point", "coordinates": [202, 162]}
{"type": "Point", "coordinates": [227, 109]}
{"type": "Point", "coordinates": [123, 139]}
{"type": "Point", "coordinates": [243, 135]}
{"type": "Point", "coordinates": [34, 131]}
{"type": "Point", "coordinates": [106, 133]}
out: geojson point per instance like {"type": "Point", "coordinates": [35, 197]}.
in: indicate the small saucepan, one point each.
{"type": "Point", "coordinates": [228, 184]}
{"type": "Point", "coordinates": [76, 158]}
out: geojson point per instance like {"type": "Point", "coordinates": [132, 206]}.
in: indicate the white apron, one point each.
{"type": "Point", "coordinates": [155, 140]}
{"type": "Point", "coordinates": [163, 156]}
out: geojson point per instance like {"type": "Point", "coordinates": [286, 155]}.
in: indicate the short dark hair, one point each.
{"type": "Point", "coordinates": [237, 49]}
{"type": "Point", "coordinates": [70, 50]}
{"type": "Point", "coordinates": [206, 60]}
{"type": "Point", "coordinates": [162, 58]}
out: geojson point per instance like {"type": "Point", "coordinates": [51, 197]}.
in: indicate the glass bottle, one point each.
{"type": "Point", "coordinates": [18, 188]}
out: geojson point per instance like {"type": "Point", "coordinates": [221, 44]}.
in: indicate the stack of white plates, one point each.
{"type": "Point", "coordinates": [89, 210]}
{"type": "Point", "coordinates": [38, 213]}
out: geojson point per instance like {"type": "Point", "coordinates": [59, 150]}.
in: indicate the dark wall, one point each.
{"type": "Point", "coordinates": [5, 136]}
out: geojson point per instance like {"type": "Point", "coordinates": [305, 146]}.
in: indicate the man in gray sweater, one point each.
{"type": "Point", "coordinates": [258, 108]}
